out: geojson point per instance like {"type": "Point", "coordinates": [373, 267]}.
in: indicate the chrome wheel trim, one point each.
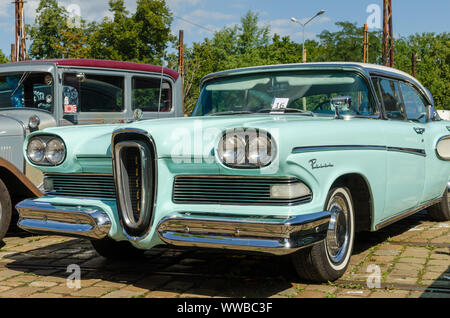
{"type": "Point", "coordinates": [340, 233]}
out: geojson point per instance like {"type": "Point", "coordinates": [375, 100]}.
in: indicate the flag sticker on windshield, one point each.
{"type": "Point", "coordinates": [280, 103]}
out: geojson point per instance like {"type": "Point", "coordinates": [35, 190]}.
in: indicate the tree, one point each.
{"type": "Point", "coordinates": [3, 58]}
{"type": "Point", "coordinates": [433, 68]}
{"type": "Point", "coordinates": [45, 34]}
{"type": "Point", "coordinates": [54, 37]}
{"type": "Point", "coordinates": [141, 37]}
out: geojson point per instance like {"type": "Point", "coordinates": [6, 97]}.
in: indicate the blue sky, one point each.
{"type": "Point", "coordinates": [410, 16]}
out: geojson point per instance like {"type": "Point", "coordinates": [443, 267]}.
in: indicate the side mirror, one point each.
{"type": "Point", "coordinates": [431, 113]}
{"type": "Point", "coordinates": [341, 103]}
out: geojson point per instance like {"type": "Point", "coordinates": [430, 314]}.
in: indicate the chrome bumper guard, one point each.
{"type": "Point", "coordinates": [274, 236]}
{"type": "Point", "coordinates": [46, 218]}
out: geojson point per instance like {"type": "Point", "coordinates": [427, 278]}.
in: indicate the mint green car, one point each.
{"type": "Point", "coordinates": [286, 159]}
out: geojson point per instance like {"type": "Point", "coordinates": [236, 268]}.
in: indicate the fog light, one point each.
{"type": "Point", "coordinates": [289, 191]}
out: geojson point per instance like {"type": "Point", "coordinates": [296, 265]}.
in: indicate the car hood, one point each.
{"type": "Point", "coordinates": [23, 116]}
{"type": "Point", "coordinates": [197, 137]}
{"type": "Point", "coordinates": [95, 140]}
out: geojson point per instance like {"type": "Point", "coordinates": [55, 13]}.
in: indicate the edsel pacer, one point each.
{"type": "Point", "coordinates": [287, 159]}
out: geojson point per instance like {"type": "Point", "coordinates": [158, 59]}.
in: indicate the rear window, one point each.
{"type": "Point", "coordinates": [89, 93]}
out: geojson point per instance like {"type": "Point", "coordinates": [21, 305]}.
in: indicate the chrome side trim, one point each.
{"type": "Point", "coordinates": [334, 148]}
{"type": "Point", "coordinates": [448, 186]}
{"type": "Point", "coordinates": [276, 236]}
{"type": "Point", "coordinates": [412, 151]}
{"type": "Point", "coordinates": [407, 213]}
{"type": "Point", "coordinates": [75, 221]}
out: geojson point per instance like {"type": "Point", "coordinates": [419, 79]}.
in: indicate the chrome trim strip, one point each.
{"type": "Point", "coordinates": [75, 221]}
{"type": "Point", "coordinates": [334, 148]}
{"type": "Point", "coordinates": [412, 151]}
{"type": "Point", "coordinates": [278, 236]}
{"type": "Point", "coordinates": [407, 213]}
{"type": "Point", "coordinates": [448, 186]}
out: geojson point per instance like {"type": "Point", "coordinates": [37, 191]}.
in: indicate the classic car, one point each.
{"type": "Point", "coordinates": [285, 159]}
{"type": "Point", "coordinates": [39, 94]}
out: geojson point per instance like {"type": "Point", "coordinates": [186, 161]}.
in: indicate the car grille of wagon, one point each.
{"type": "Point", "coordinates": [134, 171]}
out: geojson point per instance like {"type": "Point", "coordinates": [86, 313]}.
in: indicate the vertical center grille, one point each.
{"type": "Point", "coordinates": [135, 179]}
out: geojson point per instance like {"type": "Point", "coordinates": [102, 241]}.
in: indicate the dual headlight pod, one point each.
{"type": "Point", "coordinates": [250, 148]}
{"type": "Point", "coordinates": [46, 150]}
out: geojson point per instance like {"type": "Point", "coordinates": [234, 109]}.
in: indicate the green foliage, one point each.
{"type": "Point", "coordinates": [433, 67]}
{"type": "Point", "coordinates": [53, 37]}
{"type": "Point", "coordinates": [140, 37]}
{"type": "Point", "coordinates": [3, 58]}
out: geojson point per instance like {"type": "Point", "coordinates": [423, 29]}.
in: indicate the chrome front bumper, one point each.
{"type": "Point", "coordinates": [274, 236]}
{"type": "Point", "coordinates": [46, 218]}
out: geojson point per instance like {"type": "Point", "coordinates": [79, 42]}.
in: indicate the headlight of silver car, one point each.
{"type": "Point", "coordinates": [246, 148]}
{"type": "Point", "coordinates": [46, 150]}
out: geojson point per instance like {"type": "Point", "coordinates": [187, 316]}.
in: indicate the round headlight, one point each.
{"type": "Point", "coordinates": [36, 150]}
{"type": "Point", "coordinates": [55, 151]}
{"type": "Point", "coordinates": [260, 151]}
{"type": "Point", "coordinates": [232, 149]}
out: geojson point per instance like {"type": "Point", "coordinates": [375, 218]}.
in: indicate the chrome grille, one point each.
{"type": "Point", "coordinates": [231, 190]}
{"type": "Point", "coordinates": [80, 185]}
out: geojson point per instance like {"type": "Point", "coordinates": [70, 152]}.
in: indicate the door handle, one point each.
{"type": "Point", "coordinates": [419, 130]}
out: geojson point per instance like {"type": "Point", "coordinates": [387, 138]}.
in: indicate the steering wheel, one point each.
{"type": "Point", "coordinates": [320, 106]}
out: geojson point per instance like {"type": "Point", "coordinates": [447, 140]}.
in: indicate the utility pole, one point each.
{"type": "Point", "coordinates": [366, 44]}
{"type": "Point", "coordinates": [388, 34]}
{"type": "Point", "coordinates": [181, 63]}
{"type": "Point", "coordinates": [20, 49]}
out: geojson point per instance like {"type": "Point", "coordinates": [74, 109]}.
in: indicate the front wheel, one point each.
{"type": "Point", "coordinates": [5, 210]}
{"type": "Point", "coordinates": [441, 212]}
{"type": "Point", "coordinates": [111, 249]}
{"type": "Point", "coordinates": [328, 260]}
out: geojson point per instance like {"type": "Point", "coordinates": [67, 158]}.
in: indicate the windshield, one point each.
{"type": "Point", "coordinates": [28, 89]}
{"type": "Point", "coordinates": [305, 92]}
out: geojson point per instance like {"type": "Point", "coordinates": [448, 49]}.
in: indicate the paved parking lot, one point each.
{"type": "Point", "coordinates": [413, 259]}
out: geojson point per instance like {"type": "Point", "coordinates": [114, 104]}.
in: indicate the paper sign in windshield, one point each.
{"type": "Point", "coordinates": [280, 103]}
{"type": "Point", "coordinates": [70, 109]}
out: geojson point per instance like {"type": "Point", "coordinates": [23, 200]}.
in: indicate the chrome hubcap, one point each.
{"type": "Point", "coordinates": [339, 229]}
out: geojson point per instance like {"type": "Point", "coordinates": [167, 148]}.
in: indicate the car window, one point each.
{"type": "Point", "coordinates": [146, 94]}
{"type": "Point", "coordinates": [415, 105]}
{"type": "Point", "coordinates": [299, 91]}
{"type": "Point", "coordinates": [390, 95]}
{"type": "Point", "coordinates": [27, 90]}
{"type": "Point", "coordinates": [89, 93]}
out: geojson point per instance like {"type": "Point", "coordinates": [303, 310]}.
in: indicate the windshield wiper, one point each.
{"type": "Point", "coordinates": [22, 79]}
{"type": "Point", "coordinates": [288, 111]}
{"type": "Point", "coordinates": [231, 113]}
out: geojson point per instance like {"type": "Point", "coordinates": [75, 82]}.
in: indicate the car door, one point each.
{"type": "Point", "coordinates": [405, 151]}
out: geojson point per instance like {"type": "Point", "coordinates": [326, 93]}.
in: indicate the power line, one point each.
{"type": "Point", "coordinates": [197, 25]}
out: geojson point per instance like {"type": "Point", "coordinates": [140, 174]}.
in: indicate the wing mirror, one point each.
{"type": "Point", "coordinates": [431, 113]}
{"type": "Point", "coordinates": [341, 103]}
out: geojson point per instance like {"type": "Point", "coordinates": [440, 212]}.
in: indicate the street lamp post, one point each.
{"type": "Point", "coordinates": [303, 26]}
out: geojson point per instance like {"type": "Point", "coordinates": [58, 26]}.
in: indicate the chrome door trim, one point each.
{"type": "Point", "coordinates": [406, 213]}
{"type": "Point", "coordinates": [412, 151]}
